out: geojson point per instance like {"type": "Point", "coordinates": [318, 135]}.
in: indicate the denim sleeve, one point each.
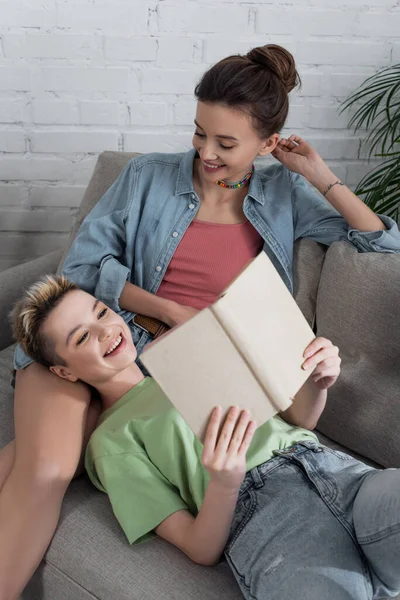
{"type": "Point", "coordinates": [21, 360]}
{"type": "Point", "coordinates": [94, 261]}
{"type": "Point", "coordinates": [316, 219]}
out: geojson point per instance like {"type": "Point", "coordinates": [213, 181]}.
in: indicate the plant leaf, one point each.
{"type": "Point", "coordinates": [377, 103]}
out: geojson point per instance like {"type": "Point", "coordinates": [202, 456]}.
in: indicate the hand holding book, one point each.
{"type": "Point", "coordinates": [323, 357]}
{"type": "Point", "coordinates": [225, 447]}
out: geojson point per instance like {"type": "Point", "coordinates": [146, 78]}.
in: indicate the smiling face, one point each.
{"type": "Point", "coordinates": [95, 342]}
{"type": "Point", "coordinates": [227, 142]}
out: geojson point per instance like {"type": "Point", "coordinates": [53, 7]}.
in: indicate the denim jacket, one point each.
{"type": "Point", "coordinates": [134, 230]}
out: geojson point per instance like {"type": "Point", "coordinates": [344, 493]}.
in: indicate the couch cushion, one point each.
{"type": "Point", "coordinates": [109, 165]}
{"type": "Point", "coordinates": [335, 446]}
{"type": "Point", "coordinates": [90, 549]}
{"type": "Point", "coordinates": [358, 308]}
{"type": "Point", "coordinates": [308, 259]}
{"type": "Point", "coordinates": [6, 396]}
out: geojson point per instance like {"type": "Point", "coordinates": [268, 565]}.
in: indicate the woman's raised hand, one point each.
{"type": "Point", "coordinates": [226, 445]}
{"type": "Point", "coordinates": [298, 156]}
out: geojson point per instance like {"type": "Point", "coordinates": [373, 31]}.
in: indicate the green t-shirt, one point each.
{"type": "Point", "coordinates": [148, 461]}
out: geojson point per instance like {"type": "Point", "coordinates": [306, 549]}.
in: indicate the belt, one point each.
{"type": "Point", "coordinates": [153, 326]}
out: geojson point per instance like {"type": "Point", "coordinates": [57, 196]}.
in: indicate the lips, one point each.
{"type": "Point", "coordinates": [212, 168]}
{"type": "Point", "coordinates": [116, 346]}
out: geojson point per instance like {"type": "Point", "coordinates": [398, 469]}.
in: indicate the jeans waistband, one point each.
{"type": "Point", "coordinates": [299, 448]}
{"type": "Point", "coordinates": [257, 474]}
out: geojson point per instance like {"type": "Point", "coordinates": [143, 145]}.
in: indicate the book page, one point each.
{"type": "Point", "coordinates": [264, 321]}
{"type": "Point", "coordinates": [198, 368]}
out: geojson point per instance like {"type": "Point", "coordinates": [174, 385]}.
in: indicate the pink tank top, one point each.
{"type": "Point", "coordinates": [208, 258]}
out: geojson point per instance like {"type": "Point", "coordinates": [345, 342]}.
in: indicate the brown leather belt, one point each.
{"type": "Point", "coordinates": [153, 326]}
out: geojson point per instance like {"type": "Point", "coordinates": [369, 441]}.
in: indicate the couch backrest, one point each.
{"type": "Point", "coordinates": [358, 308]}
{"type": "Point", "coordinates": [109, 165]}
{"type": "Point", "coordinates": [308, 260]}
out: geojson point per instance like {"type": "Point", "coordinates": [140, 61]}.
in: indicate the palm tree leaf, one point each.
{"type": "Point", "coordinates": [366, 88]}
{"type": "Point", "coordinates": [378, 137]}
{"type": "Point", "coordinates": [386, 207]}
{"type": "Point", "coordinates": [372, 141]}
{"type": "Point", "coordinates": [392, 92]}
{"type": "Point", "coordinates": [380, 84]}
{"type": "Point", "coordinates": [357, 100]}
{"type": "Point", "coordinates": [380, 191]}
{"type": "Point", "coordinates": [366, 112]}
{"type": "Point", "coordinates": [383, 154]}
{"type": "Point", "coordinates": [384, 132]}
{"type": "Point", "coordinates": [389, 187]}
{"type": "Point", "coordinates": [386, 85]}
{"type": "Point", "coordinates": [375, 175]}
{"type": "Point", "coordinates": [380, 179]}
{"type": "Point", "coordinates": [380, 170]}
{"type": "Point", "coordinates": [377, 108]}
{"type": "Point", "coordinates": [388, 166]}
{"type": "Point", "coordinates": [391, 198]}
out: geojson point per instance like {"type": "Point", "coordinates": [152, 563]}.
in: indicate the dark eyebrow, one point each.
{"type": "Point", "coordinates": [75, 329]}
{"type": "Point", "coordinates": [225, 137]}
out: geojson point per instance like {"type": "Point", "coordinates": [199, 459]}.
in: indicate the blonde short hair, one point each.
{"type": "Point", "coordinates": [31, 312]}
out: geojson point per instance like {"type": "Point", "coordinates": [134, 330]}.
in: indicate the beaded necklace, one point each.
{"type": "Point", "coordinates": [238, 184]}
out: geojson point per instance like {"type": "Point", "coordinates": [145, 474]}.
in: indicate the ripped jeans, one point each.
{"type": "Point", "coordinates": [316, 524]}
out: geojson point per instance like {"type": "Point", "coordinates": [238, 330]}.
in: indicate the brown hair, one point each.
{"type": "Point", "coordinates": [257, 83]}
{"type": "Point", "coordinates": [31, 312]}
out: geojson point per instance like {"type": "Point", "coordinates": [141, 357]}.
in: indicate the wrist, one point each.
{"type": "Point", "coordinates": [224, 488]}
{"type": "Point", "coordinates": [168, 312]}
{"type": "Point", "coordinates": [320, 177]}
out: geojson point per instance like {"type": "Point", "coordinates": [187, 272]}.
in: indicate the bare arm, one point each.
{"type": "Point", "coordinates": [298, 156]}
{"type": "Point", "coordinates": [134, 299]}
{"type": "Point", "coordinates": [357, 214]}
{"type": "Point", "coordinates": [137, 300]}
{"type": "Point", "coordinates": [307, 407]}
{"type": "Point", "coordinates": [203, 538]}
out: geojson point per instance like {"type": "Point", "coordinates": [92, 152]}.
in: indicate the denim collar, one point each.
{"type": "Point", "coordinates": [184, 184]}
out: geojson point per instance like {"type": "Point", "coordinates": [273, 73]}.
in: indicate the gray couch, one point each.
{"type": "Point", "coordinates": [353, 299]}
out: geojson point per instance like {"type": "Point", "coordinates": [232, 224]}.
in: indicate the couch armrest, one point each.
{"type": "Point", "coordinates": [14, 281]}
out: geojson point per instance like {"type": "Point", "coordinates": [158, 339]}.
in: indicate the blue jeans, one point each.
{"type": "Point", "coordinates": [315, 524]}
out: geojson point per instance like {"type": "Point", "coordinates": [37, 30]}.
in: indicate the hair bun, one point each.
{"type": "Point", "coordinates": [279, 61]}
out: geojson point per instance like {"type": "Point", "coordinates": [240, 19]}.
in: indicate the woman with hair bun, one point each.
{"type": "Point", "coordinates": [161, 244]}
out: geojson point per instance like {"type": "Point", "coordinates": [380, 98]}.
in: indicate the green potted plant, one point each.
{"type": "Point", "coordinates": [377, 103]}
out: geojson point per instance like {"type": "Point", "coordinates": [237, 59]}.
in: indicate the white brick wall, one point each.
{"type": "Point", "coordinates": [77, 78]}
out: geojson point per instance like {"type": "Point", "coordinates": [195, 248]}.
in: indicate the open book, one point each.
{"type": "Point", "coordinates": [246, 349]}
